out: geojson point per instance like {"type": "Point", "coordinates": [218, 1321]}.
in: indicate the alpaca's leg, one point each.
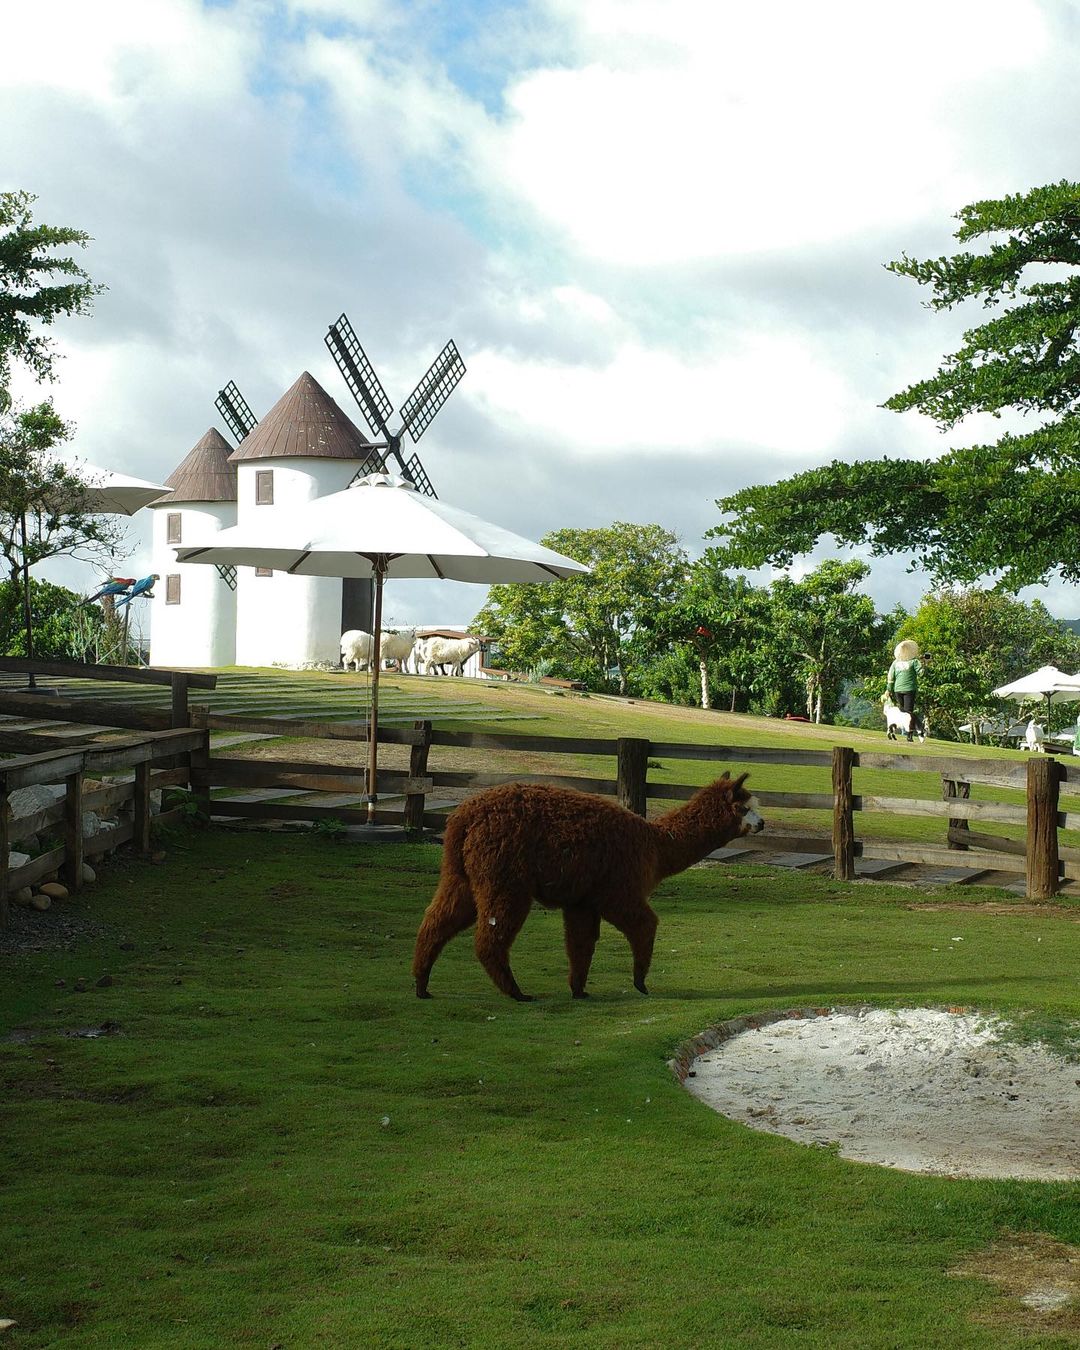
{"type": "Point", "coordinates": [582, 928]}
{"type": "Point", "coordinates": [639, 924]}
{"type": "Point", "coordinates": [451, 910]}
{"type": "Point", "coordinates": [498, 923]}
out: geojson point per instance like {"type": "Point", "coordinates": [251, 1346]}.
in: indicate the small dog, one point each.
{"type": "Point", "coordinates": [907, 724]}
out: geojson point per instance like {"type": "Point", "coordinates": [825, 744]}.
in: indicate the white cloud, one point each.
{"type": "Point", "coordinates": [645, 399]}
{"type": "Point", "coordinates": [124, 52]}
{"type": "Point", "coordinates": [731, 129]}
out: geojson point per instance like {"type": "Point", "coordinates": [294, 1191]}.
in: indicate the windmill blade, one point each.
{"type": "Point", "coordinates": [359, 375]}
{"type": "Point", "coordinates": [235, 412]}
{"type": "Point", "coordinates": [432, 392]}
{"type": "Point", "coordinates": [414, 471]}
{"type": "Point", "coordinates": [373, 462]}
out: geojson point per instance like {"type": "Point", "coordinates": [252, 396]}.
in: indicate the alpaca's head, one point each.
{"type": "Point", "coordinates": [743, 804]}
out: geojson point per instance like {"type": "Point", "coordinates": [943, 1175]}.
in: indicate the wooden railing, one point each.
{"type": "Point", "coordinates": [1038, 856]}
{"type": "Point", "coordinates": [179, 681]}
{"type": "Point", "coordinates": [147, 755]}
{"type": "Point", "coordinates": [160, 756]}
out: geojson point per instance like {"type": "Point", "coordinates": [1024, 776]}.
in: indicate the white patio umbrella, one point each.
{"type": "Point", "coordinates": [382, 527]}
{"type": "Point", "coordinates": [1047, 682]}
{"type": "Point", "coordinates": [105, 492]}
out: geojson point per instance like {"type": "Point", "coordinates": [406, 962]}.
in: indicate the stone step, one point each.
{"type": "Point", "coordinates": [730, 854]}
{"type": "Point", "coordinates": [878, 867]}
{"type": "Point", "coordinates": [952, 876]}
{"type": "Point", "coordinates": [795, 860]}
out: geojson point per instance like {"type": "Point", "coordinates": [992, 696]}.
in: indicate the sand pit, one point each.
{"type": "Point", "coordinates": [917, 1088]}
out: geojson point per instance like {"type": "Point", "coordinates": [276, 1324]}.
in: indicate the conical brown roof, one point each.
{"type": "Point", "coordinates": [205, 475]}
{"type": "Point", "coordinates": [306, 422]}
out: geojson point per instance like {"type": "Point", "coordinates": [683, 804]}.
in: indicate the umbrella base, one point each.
{"type": "Point", "coordinates": [38, 689]}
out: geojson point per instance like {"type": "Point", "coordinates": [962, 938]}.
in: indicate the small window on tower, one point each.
{"type": "Point", "coordinates": [264, 487]}
{"type": "Point", "coordinates": [264, 571]}
{"type": "Point", "coordinates": [172, 589]}
{"type": "Point", "coordinates": [172, 527]}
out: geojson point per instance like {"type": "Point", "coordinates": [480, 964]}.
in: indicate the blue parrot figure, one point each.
{"type": "Point", "coordinates": [144, 586]}
{"type": "Point", "coordinates": [114, 586]}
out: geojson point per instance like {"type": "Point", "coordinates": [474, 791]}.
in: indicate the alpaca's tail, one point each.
{"type": "Point", "coordinates": [452, 907]}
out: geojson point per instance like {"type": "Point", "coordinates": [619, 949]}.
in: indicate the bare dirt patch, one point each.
{"type": "Point", "coordinates": [1038, 1277]}
{"type": "Point", "coordinates": [920, 1089]}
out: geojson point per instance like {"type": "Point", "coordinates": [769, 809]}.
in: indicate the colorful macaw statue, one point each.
{"type": "Point", "coordinates": [114, 586]}
{"type": "Point", "coordinates": [144, 586]}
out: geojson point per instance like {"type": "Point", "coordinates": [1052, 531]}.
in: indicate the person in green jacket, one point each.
{"type": "Point", "coordinates": [903, 681]}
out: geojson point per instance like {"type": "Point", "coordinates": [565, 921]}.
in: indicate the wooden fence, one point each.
{"type": "Point", "coordinates": [159, 756]}
{"type": "Point", "coordinates": [214, 780]}
{"type": "Point", "coordinates": [1039, 856]}
{"type": "Point", "coordinates": [146, 755]}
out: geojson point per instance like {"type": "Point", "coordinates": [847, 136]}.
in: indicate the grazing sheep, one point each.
{"type": "Point", "coordinates": [452, 652]}
{"type": "Point", "coordinates": [583, 854]}
{"type": "Point", "coordinates": [358, 647]}
{"type": "Point", "coordinates": [908, 724]}
{"type": "Point", "coordinates": [397, 646]}
{"type": "Point", "coordinates": [1034, 736]}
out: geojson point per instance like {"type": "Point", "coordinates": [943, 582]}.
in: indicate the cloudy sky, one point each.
{"type": "Point", "coordinates": [655, 228]}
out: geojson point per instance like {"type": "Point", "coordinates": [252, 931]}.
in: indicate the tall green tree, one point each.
{"type": "Point", "coordinates": [829, 627]}
{"type": "Point", "coordinates": [587, 627]}
{"type": "Point", "coordinates": [1005, 509]}
{"type": "Point", "coordinates": [36, 286]}
{"type": "Point", "coordinates": [708, 638]}
{"type": "Point", "coordinates": [44, 512]}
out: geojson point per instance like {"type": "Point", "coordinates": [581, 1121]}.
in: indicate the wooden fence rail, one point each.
{"type": "Point", "coordinates": [1039, 855]}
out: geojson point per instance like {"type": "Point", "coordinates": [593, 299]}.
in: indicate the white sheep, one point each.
{"type": "Point", "coordinates": [396, 645]}
{"type": "Point", "coordinates": [899, 721]}
{"type": "Point", "coordinates": [358, 647]}
{"type": "Point", "coordinates": [1033, 736]}
{"type": "Point", "coordinates": [438, 651]}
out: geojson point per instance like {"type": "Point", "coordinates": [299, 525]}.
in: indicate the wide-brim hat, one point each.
{"type": "Point", "coordinates": [908, 650]}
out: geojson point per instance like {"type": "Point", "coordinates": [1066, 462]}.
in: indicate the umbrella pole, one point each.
{"type": "Point", "coordinates": [373, 721]}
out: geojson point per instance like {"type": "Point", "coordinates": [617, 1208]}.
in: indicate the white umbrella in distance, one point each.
{"type": "Point", "coordinates": [104, 492]}
{"type": "Point", "coordinates": [1047, 682]}
{"type": "Point", "coordinates": [382, 527]}
{"type": "Point", "coordinates": [107, 492]}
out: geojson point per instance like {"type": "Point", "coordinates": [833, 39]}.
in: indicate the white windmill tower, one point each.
{"type": "Point", "coordinates": [303, 448]}
{"type": "Point", "coordinates": [306, 447]}
{"type": "Point", "coordinates": [193, 612]}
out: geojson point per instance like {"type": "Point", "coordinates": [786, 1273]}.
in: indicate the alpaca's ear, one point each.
{"type": "Point", "coordinates": [737, 789]}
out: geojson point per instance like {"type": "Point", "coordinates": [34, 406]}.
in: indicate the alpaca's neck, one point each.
{"type": "Point", "coordinates": [686, 835]}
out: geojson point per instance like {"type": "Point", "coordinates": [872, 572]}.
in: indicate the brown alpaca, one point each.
{"type": "Point", "coordinates": [511, 845]}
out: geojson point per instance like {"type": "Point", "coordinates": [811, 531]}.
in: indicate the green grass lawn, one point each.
{"type": "Point", "coordinates": [282, 1146]}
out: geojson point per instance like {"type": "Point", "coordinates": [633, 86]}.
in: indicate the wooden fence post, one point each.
{"type": "Point", "coordinates": [73, 832]}
{"type": "Point", "coordinates": [843, 829]}
{"type": "Point", "coordinates": [199, 764]}
{"type": "Point", "coordinates": [179, 683]}
{"type": "Point", "coordinates": [953, 787]}
{"type": "Point", "coordinates": [418, 758]}
{"type": "Point", "coordinates": [633, 771]}
{"type": "Point", "coordinates": [5, 854]}
{"type": "Point", "coordinates": [141, 814]}
{"type": "Point", "coordinates": [1042, 824]}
